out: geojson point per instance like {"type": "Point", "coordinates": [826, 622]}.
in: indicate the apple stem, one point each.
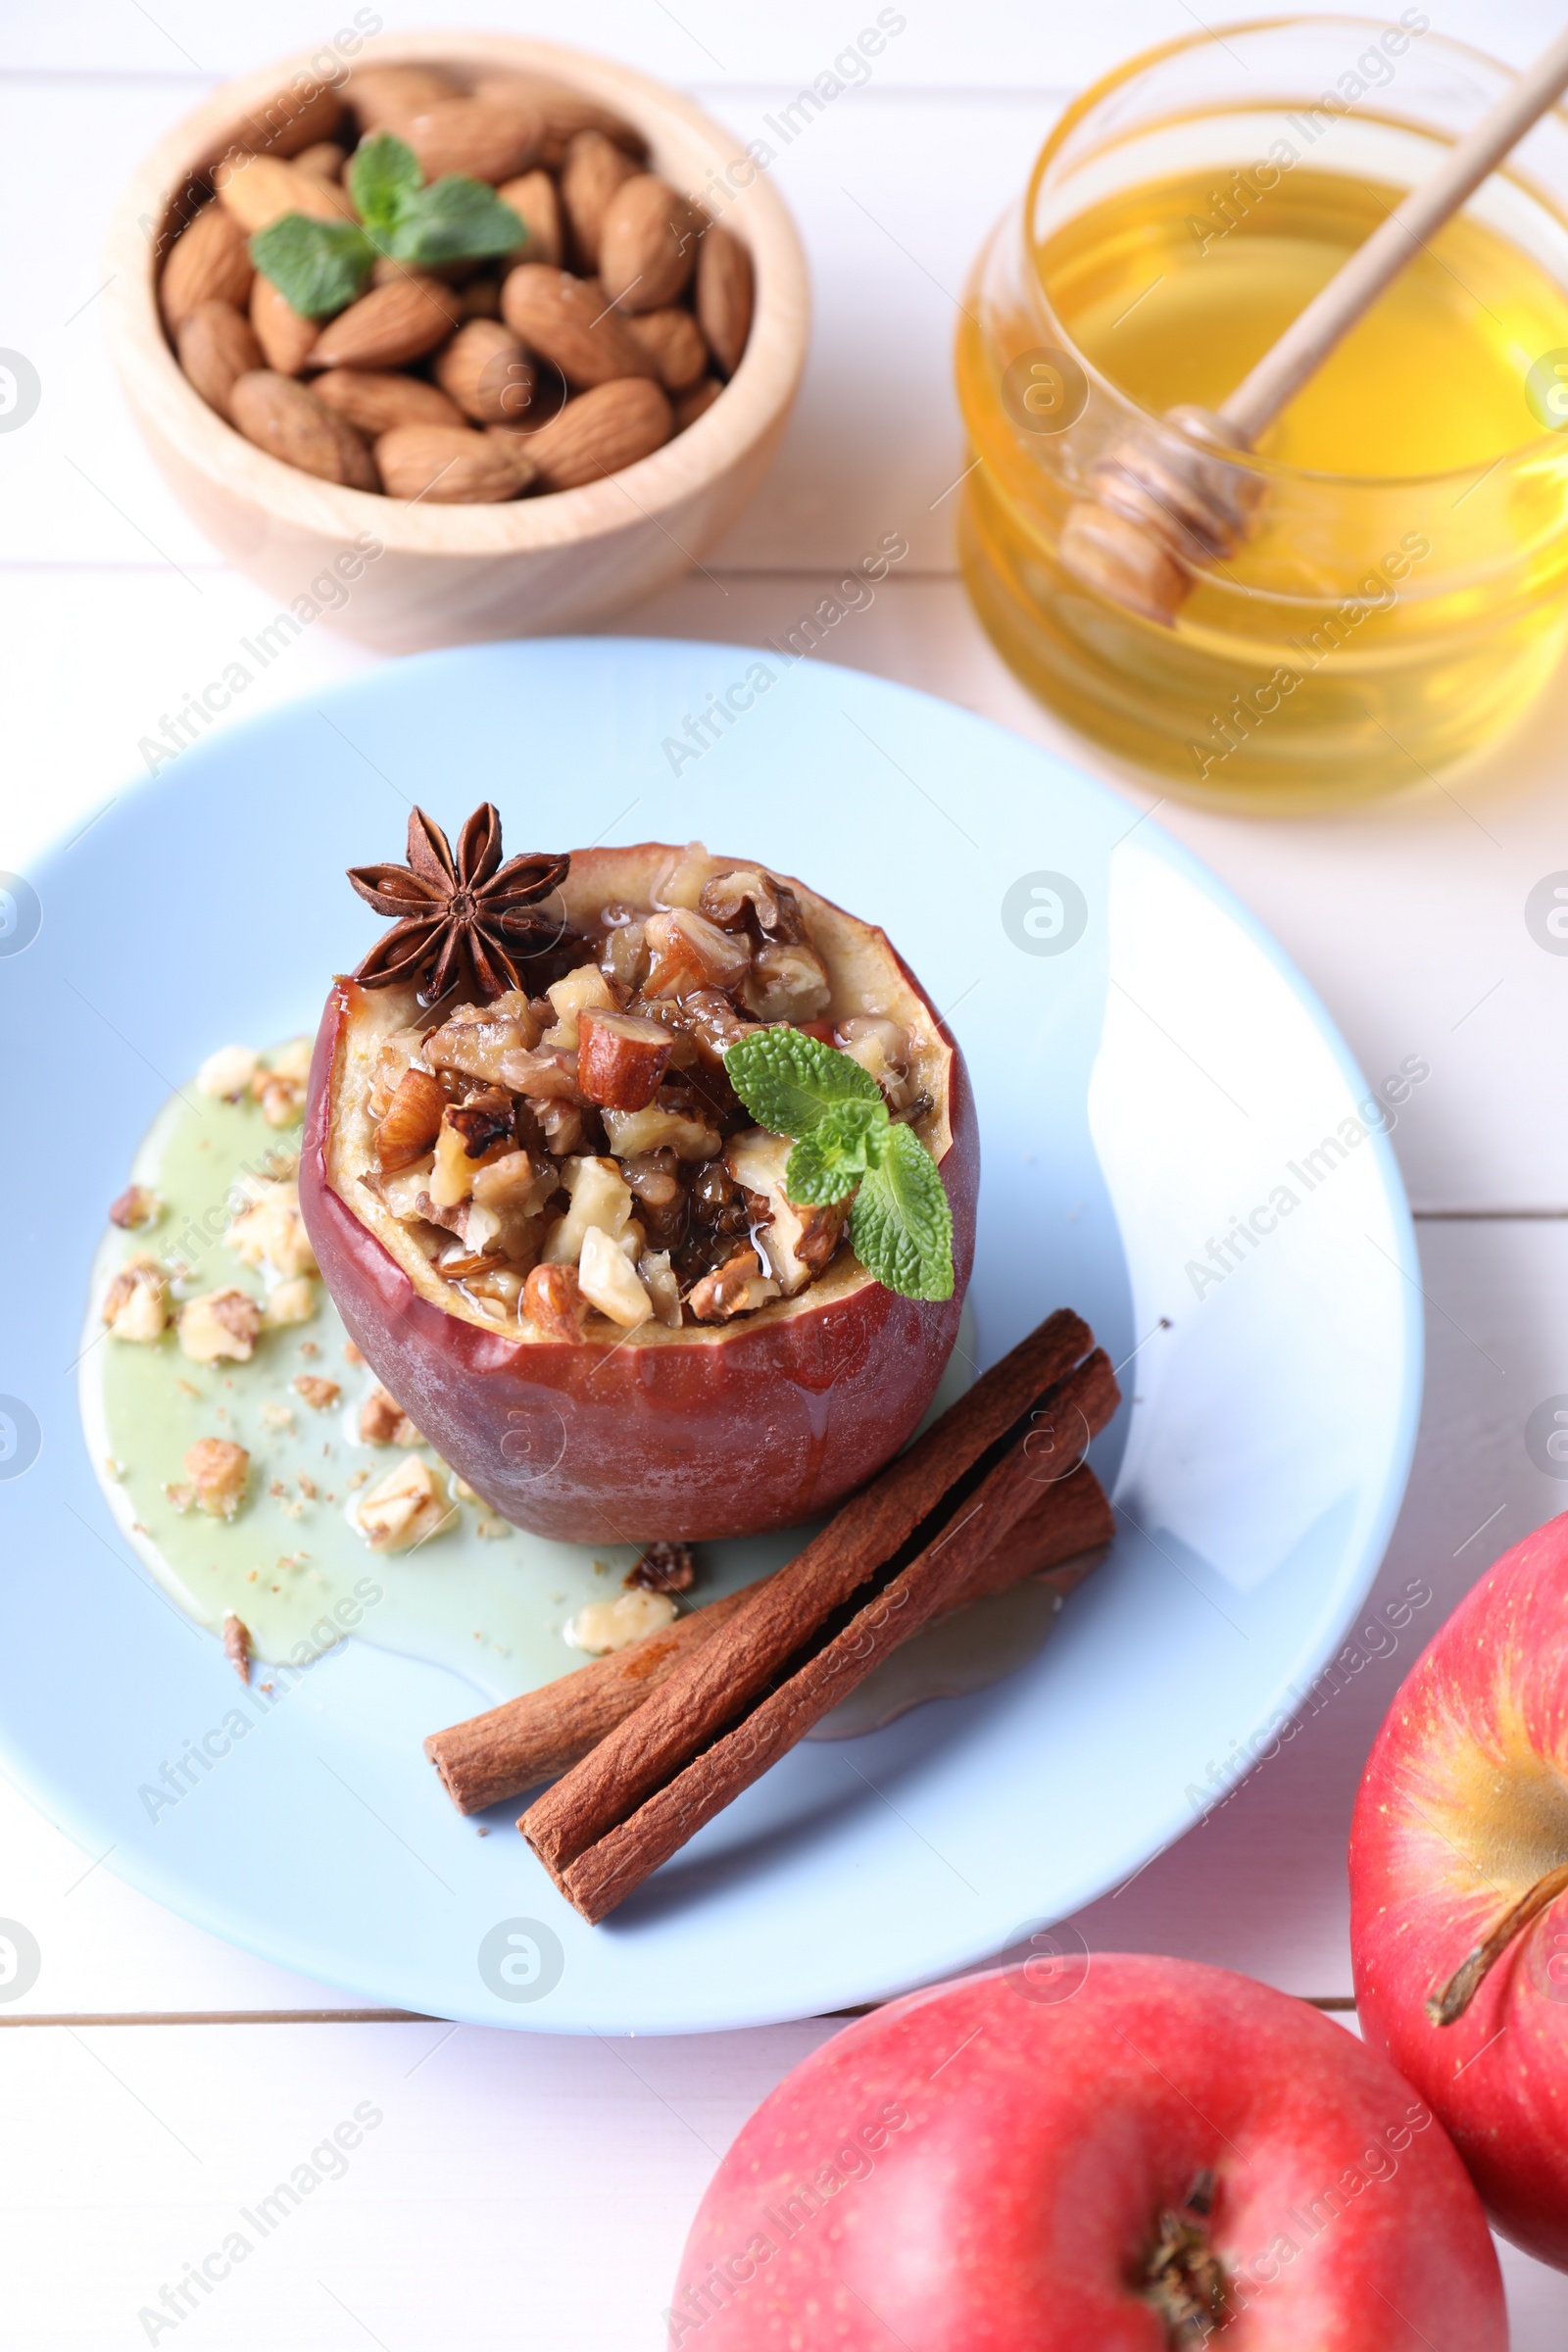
{"type": "Point", "coordinates": [1446, 2007]}
{"type": "Point", "coordinates": [1182, 2277]}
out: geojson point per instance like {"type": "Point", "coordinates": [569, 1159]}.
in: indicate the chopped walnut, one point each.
{"type": "Point", "coordinates": [319, 1393]}
{"type": "Point", "coordinates": [561, 1124]}
{"type": "Point", "coordinates": [237, 1644]}
{"type": "Point", "coordinates": [787, 983]}
{"type": "Point", "coordinates": [632, 1133]}
{"type": "Point", "coordinates": [407, 1508]}
{"type": "Point", "coordinates": [475, 1037]}
{"type": "Point", "coordinates": [662, 1568]}
{"type": "Point", "coordinates": [217, 1470]}
{"type": "Point", "coordinates": [750, 899]}
{"type": "Point", "coordinates": [228, 1073]}
{"type": "Point", "coordinates": [471, 1133]}
{"type": "Point", "coordinates": [688, 952]}
{"type": "Point", "coordinates": [601, 1626]}
{"type": "Point", "coordinates": [137, 1302]}
{"type": "Point", "coordinates": [736, 1288]}
{"type": "Point", "coordinates": [219, 1324]}
{"type": "Point", "coordinates": [351, 1354]}
{"type": "Point", "coordinates": [383, 1422]}
{"type": "Point", "coordinates": [798, 1241]}
{"type": "Point", "coordinates": [137, 1207]}
{"type": "Point", "coordinates": [268, 1230]}
{"type": "Point", "coordinates": [279, 1086]}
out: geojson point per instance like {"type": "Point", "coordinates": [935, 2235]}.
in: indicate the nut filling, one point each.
{"type": "Point", "coordinates": [570, 1156]}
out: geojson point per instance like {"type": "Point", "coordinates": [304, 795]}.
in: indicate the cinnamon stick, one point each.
{"type": "Point", "coordinates": [713, 1685]}
{"type": "Point", "coordinates": [600, 1835]}
{"type": "Point", "coordinates": [513, 1747]}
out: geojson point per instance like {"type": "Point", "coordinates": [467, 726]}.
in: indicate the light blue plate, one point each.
{"type": "Point", "coordinates": [1153, 1080]}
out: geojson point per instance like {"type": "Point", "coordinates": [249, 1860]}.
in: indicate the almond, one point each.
{"type": "Point", "coordinates": [562, 113]}
{"type": "Point", "coordinates": [673, 342]}
{"type": "Point", "coordinates": [379, 93]}
{"type": "Point", "coordinates": [280, 416]}
{"type": "Point", "coordinates": [621, 1057]}
{"type": "Point", "coordinates": [216, 349]}
{"type": "Point", "coordinates": [594, 168]}
{"type": "Point", "coordinates": [552, 1300]}
{"type": "Point", "coordinates": [697, 402]}
{"type": "Point", "coordinates": [286, 339]}
{"type": "Point", "coordinates": [207, 263]}
{"type": "Point", "coordinates": [294, 119]}
{"type": "Point", "coordinates": [534, 200]}
{"type": "Point", "coordinates": [611, 426]}
{"type": "Point", "coordinates": [411, 1122]}
{"type": "Point", "coordinates": [325, 159]}
{"type": "Point", "coordinates": [568, 322]}
{"type": "Point", "coordinates": [400, 321]}
{"type": "Point", "coordinates": [483, 370]}
{"type": "Point", "coordinates": [449, 469]}
{"type": "Point", "coordinates": [487, 138]}
{"type": "Point", "coordinates": [258, 189]}
{"type": "Point", "coordinates": [375, 403]}
{"type": "Point", "coordinates": [514, 447]}
{"type": "Point", "coordinates": [647, 243]}
{"type": "Point", "coordinates": [724, 296]}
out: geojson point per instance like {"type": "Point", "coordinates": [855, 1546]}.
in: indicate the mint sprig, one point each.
{"type": "Point", "coordinates": [900, 1226]}
{"type": "Point", "coordinates": [319, 267]}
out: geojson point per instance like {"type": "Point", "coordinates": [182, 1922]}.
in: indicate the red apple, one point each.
{"type": "Point", "coordinates": [1459, 1854]}
{"type": "Point", "coordinates": [1083, 2158]}
{"type": "Point", "coordinates": [706, 1430]}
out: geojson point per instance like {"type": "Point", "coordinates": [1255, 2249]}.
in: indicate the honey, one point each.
{"type": "Point", "coordinates": [1405, 592]}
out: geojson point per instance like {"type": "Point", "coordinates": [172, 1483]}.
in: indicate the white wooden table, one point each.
{"type": "Point", "coordinates": [537, 2190]}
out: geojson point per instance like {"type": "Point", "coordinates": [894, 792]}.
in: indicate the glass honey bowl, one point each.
{"type": "Point", "coordinates": [1403, 593]}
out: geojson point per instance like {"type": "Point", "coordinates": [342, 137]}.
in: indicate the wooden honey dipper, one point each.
{"type": "Point", "coordinates": [1165, 505]}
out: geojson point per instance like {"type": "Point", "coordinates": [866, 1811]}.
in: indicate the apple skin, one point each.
{"type": "Point", "coordinates": [1011, 2208]}
{"type": "Point", "coordinates": [1464, 1806]}
{"type": "Point", "coordinates": [768, 1421]}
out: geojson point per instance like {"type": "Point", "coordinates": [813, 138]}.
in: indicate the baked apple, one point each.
{"type": "Point", "coordinates": [644, 1179]}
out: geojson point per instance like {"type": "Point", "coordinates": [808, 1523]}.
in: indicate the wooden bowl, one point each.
{"type": "Point", "coordinates": [448, 574]}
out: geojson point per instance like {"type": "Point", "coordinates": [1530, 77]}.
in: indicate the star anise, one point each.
{"type": "Point", "coordinates": [466, 920]}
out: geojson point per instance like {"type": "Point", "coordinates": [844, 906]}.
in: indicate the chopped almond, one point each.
{"type": "Point", "coordinates": [601, 1626]}
{"type": "Point", "coordinates": [554, 1304]}
{"type": "Point", "coordinates": [237, 1644]}
{"type": "Point", "coordinates": [407, 1508]}
{"type": "Point", "coordinates": [217, 1470]}
{"type": "Point", "coordinates": [411, 1121]}
{"type": "Point", "coordinates": [621, 1057]}
{"type": "Point", "coordinates": [736, 1288]}
{"type": "Point", "coordinates": [219, 1324]}
{"type": "Point", "coordinates": [608, 1281]}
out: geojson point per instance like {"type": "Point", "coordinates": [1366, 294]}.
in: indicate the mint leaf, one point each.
{"type": "Point", "coordinates": [455, 219]}
{"type": "Point", "coordinates": [788, 1080]}
{"type": "Point", "coordinates": [901, 1227]}
{"type": "Point", "coordinates": [845, 1144]}
{"type": "Point", "coordinates": [383, 177]}
{"type": "Point", "coordinates": [319, 266]}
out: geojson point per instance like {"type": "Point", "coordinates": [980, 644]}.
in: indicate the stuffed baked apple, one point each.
{"type": "Point", "coordinates": [644, 1179]}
